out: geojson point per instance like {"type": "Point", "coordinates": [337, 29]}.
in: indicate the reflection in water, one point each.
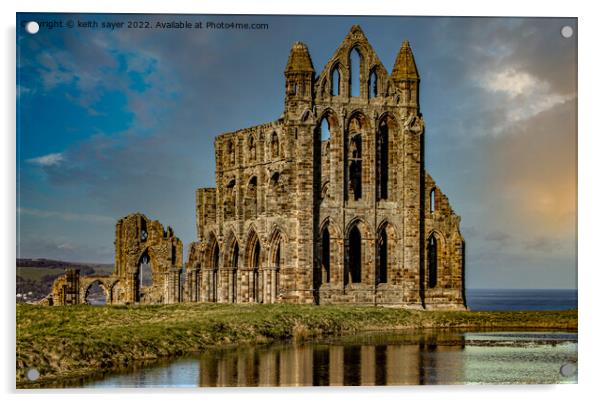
{"type": "Point", "coordinates": [389, 359]}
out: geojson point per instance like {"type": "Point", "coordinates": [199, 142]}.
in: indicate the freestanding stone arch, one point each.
{"type": "Point", "coordinates": [136, 238]}
{"type": "Point", "coordinates": [106, 283]}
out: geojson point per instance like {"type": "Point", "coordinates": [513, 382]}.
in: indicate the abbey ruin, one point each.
{"type": "Point", "coordinates": [328, 204]}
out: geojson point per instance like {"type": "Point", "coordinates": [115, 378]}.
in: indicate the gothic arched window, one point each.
{"type": "Point", "coordinates": [325, 257]}
{"type": "Point", "coordinates": [355, 255]}
{"type": "Point", "coordinates": [325, 129]}
{"type": "Point", "coordinates": [355, 166]}
{"type": "Point", "coordinates": [373, 85]}
{"type": "Point", "coordinates": [231, 152]}
{"type": "Point", "coordinates": [432, 201]}
{"type": "Point", "coordinates": [230, 200]}
{"type": "Point", "coordinates": [275, 145]}
{"type": "Point", "coordinates": [335, 79]}
{"type": "Point", "coordinates": [432, 262]}
{"type": "Point", "coordinates": [252, 148]}
{"type": "Point", "coordinates": [355, 60]}
{"type": "Point", "coordinates": [382, 162]}
{"type": "Point", "coordinates": [382, 256]}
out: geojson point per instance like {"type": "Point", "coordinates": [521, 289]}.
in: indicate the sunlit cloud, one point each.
{"type": "Point", "coordinates": [510, 81]}
{"type": "Point", "coordinates": [520, 96]}
{"type": "Point", "coordinates": [47, 160]}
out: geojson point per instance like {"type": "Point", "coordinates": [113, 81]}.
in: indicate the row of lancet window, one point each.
{"type": "Point", "coordinates": [354, 251]}
{"type": "Point", "coordinates": [253, 261]}
{"type": "Point", "coordinates": [354, 77]}
{"type": "Point", "coordinates": [251, 203]}
{"type": "Point", "coordinates": [353, 261]}
{"type": "Point", "coordinates": [355, 157]}
{"type": "Point", "coordinates": [251, 145]}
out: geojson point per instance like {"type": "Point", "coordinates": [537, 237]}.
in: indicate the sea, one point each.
{"type": "Point", "coordinates": [521, 299]}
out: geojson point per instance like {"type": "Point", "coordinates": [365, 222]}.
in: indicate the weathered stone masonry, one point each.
{"type": "Point", "coordinates": [139, 242]}
{"type": "Point", "coordinates": [330, 203]}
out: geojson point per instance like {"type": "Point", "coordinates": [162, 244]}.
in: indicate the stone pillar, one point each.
{"type": "Point", "coordinates": [173, 283]}
{"type": "Point", "coordinates": [307, 168]}
{"type": "Point", "coordinates": [412, 209]}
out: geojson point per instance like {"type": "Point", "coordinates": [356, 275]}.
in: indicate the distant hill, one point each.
{"type": "Point", "coordinates": [36, 275]}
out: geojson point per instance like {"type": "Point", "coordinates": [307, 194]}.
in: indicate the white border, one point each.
{"type": "Point", "coordinates": [589, 189]}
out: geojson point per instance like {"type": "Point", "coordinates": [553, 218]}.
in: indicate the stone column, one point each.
{"type": "Point", "coordinates": [412, 209]}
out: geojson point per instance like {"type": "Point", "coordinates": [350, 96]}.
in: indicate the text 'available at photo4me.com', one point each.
{"type": "Point", "coordinates": [158, 24]}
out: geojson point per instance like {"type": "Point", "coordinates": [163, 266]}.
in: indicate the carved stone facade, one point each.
{"type": "Point", "coordinates": [331, 202]}
{"type": "Point", "coordinates": [148, 261]}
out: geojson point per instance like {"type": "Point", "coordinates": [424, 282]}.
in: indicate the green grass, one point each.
{"type": "Point", "coordinates": [71, 341]}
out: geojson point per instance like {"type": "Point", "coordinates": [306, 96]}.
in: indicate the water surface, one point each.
{"type": "Point", "coordinates": [373, 359]}
{"type": "Point", "coordinates": [521, 299]}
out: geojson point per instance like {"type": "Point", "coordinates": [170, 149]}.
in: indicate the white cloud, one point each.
{"type": "Point", "coordinates": [47, 160]}
{"type": "Point", "coordinates": [517, 96]}
{"type": "Point", "coordinates": [510, 82]}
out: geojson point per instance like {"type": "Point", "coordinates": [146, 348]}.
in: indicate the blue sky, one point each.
{"type": "Point", "coordinates": [112, 122]}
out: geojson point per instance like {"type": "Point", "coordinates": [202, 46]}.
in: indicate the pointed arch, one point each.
{"type": "Point", "coordinates": [253, 255]}
{"type": "Point", "coordinates": [275, 264]}
{"type": "Point", "coordinates": [355, 144]}
{"type": "Point", "coordinates": [355, 255]}
{"type": "Point", "coordinates": [230, 153]}
{"type": "Point", "coordinates": [386, 158]}
{"type": "Point", "coordinates": [252, 147]}
{"type": "Point", "coordinates": [96, 293]}
{"type": "Point", "coordinates": [213, 264]}
{"type": "Point", "coordinates": [212, 252]}
{"type": "Point", "coordinates": [277, 197]}
{"type": "Point", "coordinates": [274, 145]}
{"type": "Point", "coordinates": [253, 261]}
{"type": "Point", "coordinates": [325, 255]}
{"type": "Point", "coordinates": [305, 115]}
{"type": "Point", "coordinates": [356, 237]}
{"type": "Point", "coordinates": [435, 251]}
{"type": "Point", "coordinates": [145, 276]}
{"type": "Point", "coordinates": [231, 256]}
{"type": "Point", "coordinates": [251, 198]}
{"type": "Point", "coordinates": [335, 80]}
{"type": "Point", "coordinates": [328, 121]}
{"type": "Point", "coordinates": [324, 129]}
{"type": "Point", "coordinates": [333, 227]}
{"type": "Point", "coordinates": [230, 200]}
{"type": "Point", "coordinates": [386, 244]}
{"type": "Point", "coordinates": [432, 200]}
{"type": "Point", "coordinates": [373, 83]}
{"type": "Point", "coordinates": [355, 67]}
{"type": "Point", "coordinates": [382, 160]}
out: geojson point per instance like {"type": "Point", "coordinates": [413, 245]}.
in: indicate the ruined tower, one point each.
{"type": "Point", "coordinates": [331, 202]}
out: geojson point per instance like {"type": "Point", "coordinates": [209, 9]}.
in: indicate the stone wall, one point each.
{"type": "Point", "coordinates": [139, 243]}
{"type": "Point", "coordinates": [328, 204]}
{"type": "Point", "coordinates": [303, 217]}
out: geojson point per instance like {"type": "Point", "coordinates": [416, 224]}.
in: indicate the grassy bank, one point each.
{"type": "Point", "coordinates": [63, 342]}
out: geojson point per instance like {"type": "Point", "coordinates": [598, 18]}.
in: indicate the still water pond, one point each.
{"type": "Point", "coordinates": [374, 359]}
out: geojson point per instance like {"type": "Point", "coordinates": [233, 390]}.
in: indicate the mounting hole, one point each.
{"type": "Point", "coordinates": [568, 369]}
{"type": "Point", "coordinates": [32, 27]}
{"type": "Point", "coordinates": [566, 31]}
{"type": "Point", "coordinates": [33, 374]}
